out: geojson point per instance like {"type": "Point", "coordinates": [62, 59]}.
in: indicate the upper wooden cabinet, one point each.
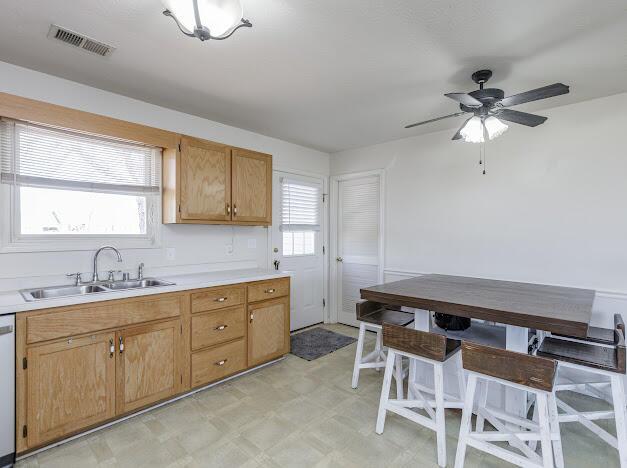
{"type": "Point", "coordinates": [211, 183]}
{"type": "Point", "coordinates": [252, 186]}
{"type": "Point", "coordinates": [205, 180]}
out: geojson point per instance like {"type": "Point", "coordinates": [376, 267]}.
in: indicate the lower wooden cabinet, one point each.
{"type": "Point", "coordinates": [148, 365]}
{"type": "Point", "coordinates": [80, 366]}
{"type": "Point", "coordinates": [71, 385]}
{"type": "Point", "coordinates": [218, 362]}
{"type": "Point", "coordinates": [268, 330]}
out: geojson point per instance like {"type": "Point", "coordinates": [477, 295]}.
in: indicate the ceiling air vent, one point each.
{"type": "Point", "coordinates": [79, 40]}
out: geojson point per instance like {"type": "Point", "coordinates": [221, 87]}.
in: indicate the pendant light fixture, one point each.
{"type": "Point", "coordinates": [207, 19]}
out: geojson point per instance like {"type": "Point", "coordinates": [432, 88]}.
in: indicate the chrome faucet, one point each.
{"type": "Point", "coordinates": [94, 277]}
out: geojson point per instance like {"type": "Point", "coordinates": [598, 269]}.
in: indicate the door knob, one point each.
{"type": "Point", "coordinates": [339, 259]}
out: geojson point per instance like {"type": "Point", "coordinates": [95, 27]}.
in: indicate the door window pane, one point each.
{"type": "Point", "coordinates": [299, 243]}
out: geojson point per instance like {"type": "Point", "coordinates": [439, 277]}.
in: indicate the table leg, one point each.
{"type": "Point", "coordinates": [422, 322]}
{"type": "Point", "coordinates": [516, 339]}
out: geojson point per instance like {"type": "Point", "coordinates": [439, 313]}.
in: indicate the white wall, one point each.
{"type": "Point", "coordinates": [197, 247]}
{"type": "Point", "coordinates": [551, 208]}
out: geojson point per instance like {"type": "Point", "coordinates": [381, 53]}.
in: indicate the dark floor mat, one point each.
{"type": "Point", "coordinates": [317, 342]}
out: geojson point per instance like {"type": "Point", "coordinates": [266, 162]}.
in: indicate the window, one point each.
{"type": "Point", "coordinates": [300, 216]}
{"type": "Point", "coordinates": [75, 190]}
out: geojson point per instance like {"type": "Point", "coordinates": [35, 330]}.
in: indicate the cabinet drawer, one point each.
{"type": "Point", "coordinates": [218, 298]}
{"type": "Point", "coordinates": [100, 316]}
{"type": "Point", "coordinates": [268, 289]}
{"type": "Point", "coordinates": [212, 328]}
{"type": "Point", "coordinates": [219, 362]}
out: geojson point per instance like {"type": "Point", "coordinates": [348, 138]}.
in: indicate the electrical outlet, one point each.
{"type": "Point", "coordinates": [170, 254]}
{"type": "Point", "coordinates": [252, 243]}
{"type": "Point", "coordinates": [229, 249]}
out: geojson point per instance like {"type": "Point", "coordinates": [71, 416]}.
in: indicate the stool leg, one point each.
{"type": "Point", "coordinates": [378, 347]}
{"type": "Point", "coordinates": [359, 353]}
{"type": "Point", "coordinates": [545, 430]}
{"type": "Point", "coordinates": [618, 397]}
{"type": "Point", "coordinates": [461, 380]}
{"type": "Point", "coordinates": [385, 391]}
{"type": "Point", "coordinates": [555, 432]}
{"type": "Point", "coordinates": [483, 401]}
{"type": "Point", "coordinates": [398, 377]}
{"type": "Point", "coordinates": [440, 424]}
{"type": "Point", "coordinates": [464, 428]}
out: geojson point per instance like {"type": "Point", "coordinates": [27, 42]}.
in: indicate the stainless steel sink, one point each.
{"type": "Point", "coordinates": [37, 294]}
{"type": "Point", "coordinates": [136, 284]}
{"type": "Point", "coordinates": [61, 291]}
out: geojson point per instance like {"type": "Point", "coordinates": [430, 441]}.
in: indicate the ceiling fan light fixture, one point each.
{"type": "Point", "coordinates": [206, 19]}
{"type": "Point", "coordinates": [473, 131]}
{"type": "Point", "coordinates": [494, 127]}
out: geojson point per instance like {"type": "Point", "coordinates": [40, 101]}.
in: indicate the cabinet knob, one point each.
{"type": "Point", "coordinates": [111, 348]}
{"type": "Point", "coordinates": [121, 342]}
{"type": "Point", "coordinates": [221, 363]}
{"type": "Point", "coordinates": [252, 317]}
{"type": "Point", "coordinates": [221, 327]}
{"type": "Point", "coordinates": [234, 210]}
{"type": "Point", "coordinates": [228, 208]}
{"type": "Point", "coordinates": [221, 299]}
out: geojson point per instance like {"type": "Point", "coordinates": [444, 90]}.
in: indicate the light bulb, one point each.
{"type": "Point", "coordinates": [473, 131]}
{"type": "Point", "coordinates": [494, 127]}
{"type": "Point", "coordinates": [219, 16]}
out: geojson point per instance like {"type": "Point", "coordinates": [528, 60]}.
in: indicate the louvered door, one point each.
{"type": "Point", "coordinates": [358, 245]}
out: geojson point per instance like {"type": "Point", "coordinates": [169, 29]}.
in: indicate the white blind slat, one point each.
{"type": "Point", "coordinates": [39, 156]}
{"type": "Point", "coordinates": [300, 206]}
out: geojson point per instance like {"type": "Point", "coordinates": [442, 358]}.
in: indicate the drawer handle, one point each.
{"type": "Point", "coordinates": [252, 317]}
{"type": "Point", "coordinates": [270, 291]}
{"type": "Point", "coordinates": [221, 299]}
{"type": "Point", "coordinates": [121, 342]}
{"type": "Point", "coordinates": [111, 348]}
{"type": "Point", "coordinates": [221, 363]}
{"type": "Point", "coordinates": [221, 327]}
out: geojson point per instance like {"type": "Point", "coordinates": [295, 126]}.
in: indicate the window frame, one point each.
{"type": "Point", "coordinates": [13, 241]}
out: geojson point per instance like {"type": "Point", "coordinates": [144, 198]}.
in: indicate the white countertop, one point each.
{"type": "Point", "coordinates": [12, 301]}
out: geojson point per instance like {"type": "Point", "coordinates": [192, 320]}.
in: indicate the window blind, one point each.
{"type": "Point", "coordinates": [39, 156]}
{"type": "Point", "coordinates": [300, 206]}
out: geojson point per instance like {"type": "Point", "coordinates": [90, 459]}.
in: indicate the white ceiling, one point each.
{"type": "Point", "coordinates": [331, 74]}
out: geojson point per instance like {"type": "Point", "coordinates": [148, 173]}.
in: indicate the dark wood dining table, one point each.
{"type": "Point", "coordinates": [519, 306]}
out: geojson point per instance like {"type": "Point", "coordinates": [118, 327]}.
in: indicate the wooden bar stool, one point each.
{"type": "Point", "coordinates": [607, 365]}
{"type": "Point", "coordinates": [430, 348]}
{"type": "Point", "coordinates": [528, 373]}
{"type": "Point", "coordinates": [371, 316]}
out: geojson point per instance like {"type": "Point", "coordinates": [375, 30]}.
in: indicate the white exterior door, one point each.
{"type": "Point", "coordinates": [359, 248]}
{"type": "Point", "coordinates": [297, 238]}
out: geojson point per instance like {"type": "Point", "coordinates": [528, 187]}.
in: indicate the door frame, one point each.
{"type": "Point", "coordinates": [324, 229]}
{"type": "Point", "coordinates": [334, 195]}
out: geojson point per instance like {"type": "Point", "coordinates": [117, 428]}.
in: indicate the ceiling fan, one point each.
{"type": "Point", "coordinates": [489, 107]}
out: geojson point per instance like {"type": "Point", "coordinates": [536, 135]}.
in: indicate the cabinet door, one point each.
{"type": "Point", "coordinates": [205, 180]}
{"type": "Point", "coordinates": [71, 386]}
{"type": "Point", "coordinates": [148, 364]}
{"type": "Point", "coordinates": [252, 187]}
{"type": "Point", "coordinates": [268, 330]}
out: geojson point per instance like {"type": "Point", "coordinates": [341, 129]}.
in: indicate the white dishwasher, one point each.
{"type": "Point", "coordinates": [7, 390]}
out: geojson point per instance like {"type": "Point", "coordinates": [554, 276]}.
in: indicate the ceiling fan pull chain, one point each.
{"type": "Point", "coordinates": [485, 161]}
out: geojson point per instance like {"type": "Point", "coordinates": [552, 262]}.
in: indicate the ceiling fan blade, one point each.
{"type": "Point", "coordinates": [465, 99]}
{"type": "Point", "coordinates": [522, 118]}
{"type": "Point", "coordinates": [555, 89]}
{"type": "Point", "coordinates": [456, 114]}
{"type": "Point", "coordinates": [458, 135]}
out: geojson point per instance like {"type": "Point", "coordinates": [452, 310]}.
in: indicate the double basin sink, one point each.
{"type": "Point", "coordinates": [37, 294]}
